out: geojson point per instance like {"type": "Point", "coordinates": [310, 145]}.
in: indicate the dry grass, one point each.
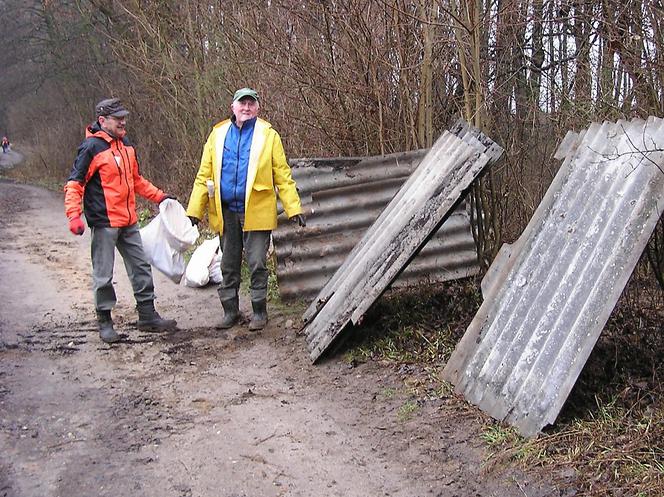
{"type": "Point", "coordinates": [609, 437]}
{"type": "Point", "coordinates": [416, 329]}
{"type": "Point", "coordinates": [614, 451]}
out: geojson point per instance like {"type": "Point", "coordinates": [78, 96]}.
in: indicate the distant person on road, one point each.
{"type": "Point", "coordinates": [106, 177]}
{"type": "Point", "coordinates": [5, 144]}
{"type": "Point", "coordinates": [243, 162]}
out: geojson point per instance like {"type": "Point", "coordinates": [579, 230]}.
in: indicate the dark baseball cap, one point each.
{"type": "Point", "coordinates": [111, 107]}
{"type": "Point", "coordinates": [245, 92]}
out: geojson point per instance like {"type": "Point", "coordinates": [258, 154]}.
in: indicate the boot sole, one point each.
{"type": "Point", "coordinates": [257, 326]}
{"type": "Point", "coordinates": [153, 329]}
{"type": "Point", "coordinates": [222, 326]}
{"type": "Point", "coordinates": [227, 326]}
{"type": "Point", "coordinates": [114, 339]}
{"type": "Point", "coordinates": [156, 329]}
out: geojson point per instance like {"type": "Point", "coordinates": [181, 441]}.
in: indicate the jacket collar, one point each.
{"type": "Point", "coordinates": [247, 124]}
{"type": "Point", "coordinates": [95, 130]}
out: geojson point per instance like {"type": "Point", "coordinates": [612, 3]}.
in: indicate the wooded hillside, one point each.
{"type": "Point", "coordinates": [336, 78]}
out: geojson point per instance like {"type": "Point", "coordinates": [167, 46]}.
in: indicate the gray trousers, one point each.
{"type": "Point", "coordinates": [129, 244]}
{"type": "Point", "coordinates": [255, 245]}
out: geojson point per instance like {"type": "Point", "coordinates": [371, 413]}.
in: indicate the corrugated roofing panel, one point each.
{"type": "Point", "coordinates": [549, 295]}
{"type": "Point", "coordinates": [342, 198]}
{"type": "Point", "coordinates": [417, 209]}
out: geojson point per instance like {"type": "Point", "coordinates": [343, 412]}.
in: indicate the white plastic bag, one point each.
{"type": "Point", "coordinates": [215, 268]}
{"type": "Point", "coordinates": [202, 263]}
{"type": "Point", "coordinates": [166, 238]}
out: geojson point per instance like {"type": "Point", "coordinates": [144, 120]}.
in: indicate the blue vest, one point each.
{"type": "Point", "coordinates": [235, 163]}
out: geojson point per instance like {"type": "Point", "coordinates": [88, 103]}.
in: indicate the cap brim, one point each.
{"type": "Point", "coordinates": [120, 113]}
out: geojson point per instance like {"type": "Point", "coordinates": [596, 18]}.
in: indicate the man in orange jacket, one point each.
{"type": "Point", "coordinates": [105, 177]}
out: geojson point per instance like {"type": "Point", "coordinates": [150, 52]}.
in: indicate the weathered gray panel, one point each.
{"type": "Point", "coordinates": [420, 205]}
{"type": "Point", "coordinates": [342, 198]}
{"type": "Point", "coordinates": [314, 259]}
{"type": "Point", "coordinates": [548, 296]}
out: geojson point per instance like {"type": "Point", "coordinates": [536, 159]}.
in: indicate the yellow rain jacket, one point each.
{"type": "Point", "coordinates": [267, 169]}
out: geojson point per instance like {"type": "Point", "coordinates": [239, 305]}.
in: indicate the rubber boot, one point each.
{"type": "Point", "coordinates": [259, 319]}
{"type": "Point", "coordinates": [106, 331]}
{"type": "Point", "coordinates": [231, 312]}
{"type": "Point", "coordinates": [150, 320]}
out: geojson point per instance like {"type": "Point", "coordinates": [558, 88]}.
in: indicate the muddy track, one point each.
{"type": "Point", "coordinates": [200, 412]}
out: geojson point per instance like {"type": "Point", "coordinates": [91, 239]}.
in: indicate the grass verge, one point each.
{"type": "Point", "coordinates": [609, 436]}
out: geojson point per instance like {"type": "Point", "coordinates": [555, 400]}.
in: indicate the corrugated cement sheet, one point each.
{"type": "Point", "coordinates": [342, 198]}
{"type": "Point", "coordinates": [415, 212]}
{"type": "Point", "coordinates": [547, 298]}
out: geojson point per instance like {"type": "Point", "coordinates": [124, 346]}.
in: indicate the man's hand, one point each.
{"type": "Point", "coordinates": [76, 225]}
{"type": "Point", "coordinates": [299, 219]}
{"type": "Point", "coordinates": [194, 220]}
{"type": "Point", "coordinates": [166, 195]}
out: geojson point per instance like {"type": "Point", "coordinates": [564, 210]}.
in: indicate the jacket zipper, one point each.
{"type": "Point", "coordinates": [237, 163]}
{"type": "Point", "coordinates": [125, 176]}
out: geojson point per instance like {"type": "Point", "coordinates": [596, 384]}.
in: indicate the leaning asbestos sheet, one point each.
{"type": "Point", "coordinates": [547, 297]}
{"type": "Point", "coordinates": [342, 198]}
{"type": "Point", "coordinates": [415, 212]}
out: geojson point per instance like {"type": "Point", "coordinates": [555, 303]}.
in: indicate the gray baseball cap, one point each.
{"type": "Point", "coordinates": [111, 107]}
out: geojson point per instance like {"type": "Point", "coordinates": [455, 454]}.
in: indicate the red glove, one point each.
{"type": "Point", "coordinates": [76, 225]}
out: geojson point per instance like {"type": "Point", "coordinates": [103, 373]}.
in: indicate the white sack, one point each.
{"type": "Point", "coordinates": [180, 233]}
{"type": "Point", "coordinates": [201, 263]}
{"type": "Point", "coordinates": [159, 253]}
{"type": "Point", "coordinates": [166, 237]}
{"type": "Point", "coordinates": [215, 268]}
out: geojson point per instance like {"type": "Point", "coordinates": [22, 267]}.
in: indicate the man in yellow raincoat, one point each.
{"type": "Point", "coordinates": [243, 162]}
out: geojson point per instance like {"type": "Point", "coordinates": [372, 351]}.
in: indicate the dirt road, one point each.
{"type": "Point", "coordinates": [10, 159]}
{"type": "Point", "coordinates": [200, 412]}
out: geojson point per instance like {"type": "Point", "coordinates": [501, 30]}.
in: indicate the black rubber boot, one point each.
{"type": "Point", "coordinates": [106, 331]}
{"type": "Point", "coordinates": [259, 319]}
{"type": "Point", "coordinates": [150, 320]}
{"type": "Point", "coordinates": [231, 312]}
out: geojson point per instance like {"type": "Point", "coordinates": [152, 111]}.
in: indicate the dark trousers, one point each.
{"type": "Point", "coordinates": [255, 245]}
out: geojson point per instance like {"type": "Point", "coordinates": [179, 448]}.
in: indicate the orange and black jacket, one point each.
{"type": "Point", "coordinates": [105, 175]}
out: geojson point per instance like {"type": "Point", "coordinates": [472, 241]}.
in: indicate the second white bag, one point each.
{"type": "Point", "coordinates": [166, 237]}
{"type": "Point", "coordinates": [198, 271]}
